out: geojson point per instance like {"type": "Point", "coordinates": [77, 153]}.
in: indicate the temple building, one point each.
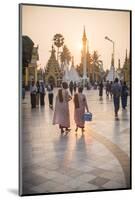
{"type": "Point", "coordinates": [71, 74]}
{"type": "Point", "coordinates": [53, 73]}
{"type": "Point", "coordinates": [119, 74]}
{"type": "Point", "coordinates": [84, 53]}
{"type": "Point", "coordinates": [126, 68]}
{"type": "Point", "coordinates": [111, 74]}
{"type": "Point", "coordinates": [89, 69]}
{"type": "Point", "coordinates": [31, 70]}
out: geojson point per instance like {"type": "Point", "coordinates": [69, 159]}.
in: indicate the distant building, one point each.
{"type": "Point", "coordinates": [53, 73]}
{"type": "Point", "coordinates": [119, 73]}
{"type": "Point", "coordinates": [71, 74]}
{"type": "Point", "coordinates": [126, 68]}
{"type": "Point", "coordinates": [31, 70]}
{"type": "Point", "coordinates": [111, 74]}
{"type": "Point", "coordinates": [89, 68]}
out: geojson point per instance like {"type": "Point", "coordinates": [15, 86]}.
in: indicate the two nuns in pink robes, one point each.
{"type": "Point", "coordinates": [61, 113]}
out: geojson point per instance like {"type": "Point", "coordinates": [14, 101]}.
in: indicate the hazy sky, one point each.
{"type": "Point", "coordinates": [42, 23]}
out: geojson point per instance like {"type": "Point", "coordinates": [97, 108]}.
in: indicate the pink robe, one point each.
{"type": "Point", "coordinates": [61, 112]}
{"type": "Point", "coordinates": [79, 112]}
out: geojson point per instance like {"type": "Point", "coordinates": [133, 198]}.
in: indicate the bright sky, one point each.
{"type": "Point", "coordinates": [42, 23]}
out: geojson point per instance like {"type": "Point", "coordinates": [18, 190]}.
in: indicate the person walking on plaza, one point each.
{"type": "Point", "coordinates": [50, 95]}
{"type": "Point", "coordinates": [33, 91]}
{"type": "Point", "coordinates": [75, 87]}
{"type": "Point", "coordinates": [71, 86]}
{"type": "Point", "coordinates": [37, 95]}
{"type": "Point", "coordinates": [61, 112]}
{"type": "Point", "coordinates": [101, 90]}
{"type": "Point", "coordinates": [116, 91]}
{"type": "Point", "coordinates": [23, 91]}
{"type": "Point", "coordinates": [110, 89]}
{"type": "Point", "coordinates": [42, 93]}
{"type": "Point", "coordinates": [107, 88]}
{"type": "Point", "coordinates": [124, 95]}
{"type": "Point", "coordinates": [80, 104]}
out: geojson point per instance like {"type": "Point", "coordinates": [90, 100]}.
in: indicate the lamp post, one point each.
{"type": "Point", "coordinates": [107, 38]}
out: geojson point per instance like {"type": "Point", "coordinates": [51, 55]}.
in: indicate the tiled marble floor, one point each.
{"type": "Point", "coordinates": [97, 160]}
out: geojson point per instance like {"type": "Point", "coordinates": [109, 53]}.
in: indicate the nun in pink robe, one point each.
{"type": "Point", "coordinates": [61, 112]}
{"type": "Point", "coordinates": [80, 104]}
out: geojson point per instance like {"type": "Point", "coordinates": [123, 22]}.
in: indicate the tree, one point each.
{"type": "Point", "coordinates": [58, 42]}
{"type": "Point", "coordinates": [65, 55]}
{"type": "Point", "coordinates": [27, 47]}
{"type": "Point", "coordinates": [95, 65]}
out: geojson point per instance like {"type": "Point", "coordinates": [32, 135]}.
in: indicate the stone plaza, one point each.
{"type": "Point", "coordinates": [53, 162]}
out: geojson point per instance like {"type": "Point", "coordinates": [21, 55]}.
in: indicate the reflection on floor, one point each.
{"type": "Point", "coordinates": [97, 160]}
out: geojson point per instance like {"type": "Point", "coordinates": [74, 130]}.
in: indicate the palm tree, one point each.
{"type": "Point", "coordinates": [58, 42]}
{"type": "Point", "coordinates": [65, 55]}
{"type": "Point", "coordinates": [96, 64]}
{"type": "Point", "coordinates": [27, 47]}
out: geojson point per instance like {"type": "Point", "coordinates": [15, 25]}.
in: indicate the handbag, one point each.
{"type": "Point", "coordinates": [87, 116]}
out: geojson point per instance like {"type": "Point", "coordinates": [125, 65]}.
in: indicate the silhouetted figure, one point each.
{"type": "Point", "coordinates": [75, 87]}
{"type": "Point", "coordinates": [101, 90]}
{"type": "Point", "coordinates": [116, 91]}
{"type": "Point", "coordinates": [23, 91]}
{"type": "Point", "coordinates": [110, 89]}
{"type": "Point", "coordinates": [124, 95]}
{"type": "Point", "coordinates": [107, 88]}
{"type": "Point", "coordinates": [71, 86]}
{"type": "Point", "coordinates": [38, 93]}
{"type": "Point", "coordinates": [33, 91]}
{"type": "Point", "coordinates": [42, 93]}
{"type": "Point", "coordinates": [50, 95]}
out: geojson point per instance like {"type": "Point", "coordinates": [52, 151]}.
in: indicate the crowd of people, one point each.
{"type": "Point", "coordinates": [38, 92]}
{"type": "Point", "coordinates": [116, 90]}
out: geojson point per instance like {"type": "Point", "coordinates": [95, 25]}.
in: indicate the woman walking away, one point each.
{"type": "Point", "coordinates": [110, 89]}
{"type": "Point", "coordinates": [42, 93]}
{"type": "Point", "coordinates": [101, 90]}
{"type": "Point", "coordinates": [107, 88]}
{"type": "Point", "coordinates": [33, 90]}
{"type": "Point", "coordinates": [61, 113]}
{"type": "Point", "coordinates": [75, 87]}
{"type": "Point", "coordinates": [116, 91]}
{"type": "Point", "coordinates": [37, 95]}
{"type": "Point", "coordinates": [80, 104]}
{"type": "Point", "coordinates": [71, 86]}
{"type": "Point", "coordinates": [50, 95]}
{"type": "Point", "coordinates": [124, 95]}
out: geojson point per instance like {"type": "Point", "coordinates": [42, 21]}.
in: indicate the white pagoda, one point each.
{"type": "Point", "coordinates": [71, 74]}
{"type": "Point", "coordinates": [111, 75]}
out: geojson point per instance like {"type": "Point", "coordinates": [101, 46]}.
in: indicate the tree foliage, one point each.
{"type": "Point", "coordinates": [65, 55]}
{"type": "Point", "coordinates": [58, 42]}
{"type": "Point", "coordinates": [27, 46]}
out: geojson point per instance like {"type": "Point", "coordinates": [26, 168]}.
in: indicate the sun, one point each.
{"type": "Point", "coordinates": [79, 46]}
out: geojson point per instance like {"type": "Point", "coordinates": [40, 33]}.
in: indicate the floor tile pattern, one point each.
{"type": "Point", "coordinates": [99, 159]}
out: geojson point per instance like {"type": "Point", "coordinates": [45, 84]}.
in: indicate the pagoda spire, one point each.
{"type": "Point", "coordinates": [87, 47]}
{"type": "Point", "coordinates": [84, 35]}
{"type": "Point", "coordinates": [112, 61]}
{"type": "Point", "coordinates": [72, 61]}
{"type": "Point", "coordinates": [126, 57]}
{"type": "Point", "coordinates": [118, 63]}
